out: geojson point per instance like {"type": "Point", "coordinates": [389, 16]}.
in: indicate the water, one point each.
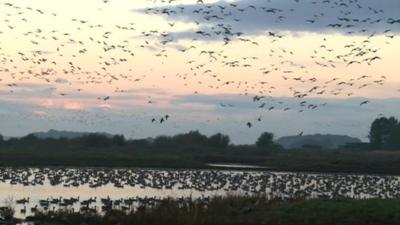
{"type": "Point", "coordinates": [235, 166]}
{"type": "Point", "coordinates": [102, 189]}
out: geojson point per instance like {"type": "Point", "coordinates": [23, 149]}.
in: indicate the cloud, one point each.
{"type": "Point", "coordinates": [255, 17]}
{"type": "Point", "coordinates": [39, 113]}
{"type": "Point", "coordinates": [242, 101]}
{"type": "Point", "coordinates": [62, 81]}
{"type": "Point", "coordinates": [105, 106]}
{"type": "Point", "coordinates": [202, 112]}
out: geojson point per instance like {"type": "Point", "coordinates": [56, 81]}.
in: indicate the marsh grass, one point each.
{"type": "Point", "coordinates": [235, 210]}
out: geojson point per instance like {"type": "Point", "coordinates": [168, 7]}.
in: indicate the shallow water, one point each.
{"type": "Point", "coordinates": [235, 166]}
{"type": "Point", "coordinates": [147, 186]}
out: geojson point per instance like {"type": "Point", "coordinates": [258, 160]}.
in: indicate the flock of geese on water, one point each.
{"type": "Point", "coordinates": [199, 185]}
{"type": "Point", "coordinates": [61, 53]}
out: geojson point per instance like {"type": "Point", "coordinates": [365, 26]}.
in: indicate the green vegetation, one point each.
{"type": "Point", "coordinates": [266, 141]}
{"type": "Point", "coordinates": [195, 150]}
{"type": "Point", "coordinates": [241, 210]}
{"type": "Point", "coordinates": [385, 133]}
{"type": "Point", "coordinates": [7, 212]}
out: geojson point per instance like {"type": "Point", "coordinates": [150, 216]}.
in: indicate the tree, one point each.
{"type": "Point", "coordinates": [394, 138]}
{"type": "Point", "coordinates": [265, 140]}
{"type": "Point", "coordinates": [219, 141]}
{"type": "Point", "coordinates": [140, 142]}
{"type": "Point", "coordinates": [381, 131]}
{"type": "Point", "coordinates": [118, 140]}
{"type": "Point", "coordinates": [30, 138]}
{"type": "Point", "coordinates": [163, 141]}
{"type": "Point", "coordinates": [1, 138]}
{"type": "Point", "coordinates": [96, 140]}
{"type": "Point", "coordinates": [191, 138]}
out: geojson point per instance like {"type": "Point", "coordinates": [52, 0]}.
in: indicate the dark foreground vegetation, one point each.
{"type": "Point", "coordinates": [195, 150]}
{"type": "Point", "coordinates": [241, 210]}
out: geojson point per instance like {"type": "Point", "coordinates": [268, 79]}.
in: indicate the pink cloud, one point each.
{"type": "Point", "coordinates": [105, 106]}
{"type": "Point", "coordinates": [73, 105]}
{"type": "Point", "coordinates": [48, 103]}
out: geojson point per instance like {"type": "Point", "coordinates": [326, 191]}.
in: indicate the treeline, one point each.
{"type": "Point", "coordinates": [190, 139]}
{"type": "Point", "coordinates": [90, 140]}
{"type": "Point", "coordinates": [384, 134]}
{"type": "Point", "coordinates": [196, 150]}
{"type": "Point", "coordinates": [193, 138]}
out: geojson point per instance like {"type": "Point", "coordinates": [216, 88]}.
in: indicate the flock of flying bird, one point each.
{"type": "Point", "coordinates": [62, 52]}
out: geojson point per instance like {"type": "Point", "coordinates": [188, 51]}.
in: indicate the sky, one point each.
{"type": "Point", "coordinates": [284, 66]}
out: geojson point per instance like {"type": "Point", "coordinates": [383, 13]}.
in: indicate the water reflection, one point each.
{"type": "Point", "coordinates": [85, 189]}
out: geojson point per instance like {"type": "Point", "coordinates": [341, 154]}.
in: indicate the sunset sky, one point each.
{"type": "Point", "coordinates": [286, 66]}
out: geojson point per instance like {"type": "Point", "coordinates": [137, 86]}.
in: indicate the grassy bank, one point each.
{"type": "Point", "coordinates": [48, 154]}
{"type": "Point", "coordinates": [242, 210]}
